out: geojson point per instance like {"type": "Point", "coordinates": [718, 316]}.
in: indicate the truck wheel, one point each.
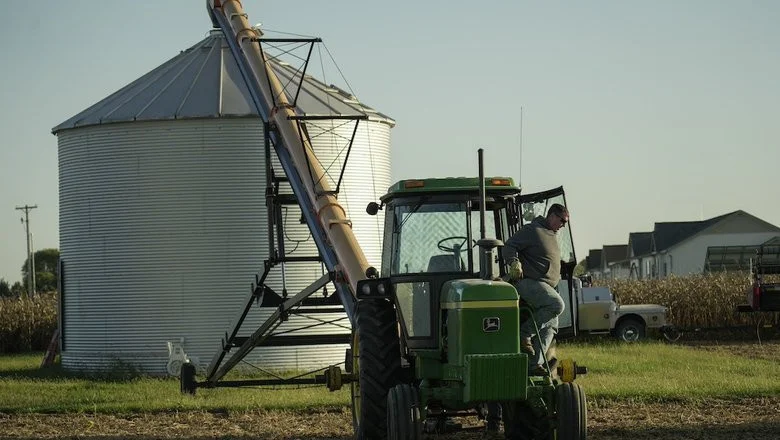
{"type": "Point", "coordinates": [376, 355]}
{"type": "Point", "coordinates": [572, 412]}
{"type": "Point", "coordinates": [630, 330]}
{"type": "Point", "coordinates": [403, 413]}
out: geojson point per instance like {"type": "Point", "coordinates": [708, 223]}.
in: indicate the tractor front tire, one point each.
{"type": "Point", "coordinates": [572, 420]}
{"type": "Point", "coordinates": [377, 357]}
{"type": "Point", "coordinates": [403, 413]}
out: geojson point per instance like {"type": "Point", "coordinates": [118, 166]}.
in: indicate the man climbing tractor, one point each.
{"type": "Point", "coordinates": [534, 259]}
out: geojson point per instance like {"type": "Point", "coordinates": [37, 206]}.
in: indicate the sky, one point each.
{"type": "Point", "coordinates": [644, 111]}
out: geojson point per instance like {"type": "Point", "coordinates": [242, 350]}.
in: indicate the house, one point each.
{"type": "Point", "coordinates": [593, 263]}
{"type": "Point", "coordinates": [725, 242]}
{"type": "Point", "coordinates": [614, 261]}
{"type": "Point", "coordinates": [640, 255]}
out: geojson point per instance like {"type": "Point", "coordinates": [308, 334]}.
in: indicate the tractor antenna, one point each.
{"type": "Point", "coordinates": [520, 178]}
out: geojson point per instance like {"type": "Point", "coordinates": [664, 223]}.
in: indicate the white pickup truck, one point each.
{"type": "Point", "coordinates": [595, 310]}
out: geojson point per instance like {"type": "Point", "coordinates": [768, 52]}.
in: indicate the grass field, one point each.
{"type": "Point", "coordinates": [661, 390]}
{"type": "Point", "coordinates": [651, 371]}
{"type": "Point", "coordinates": [26, 388]}
{"type": "Point", "coordinates": [656, 371]}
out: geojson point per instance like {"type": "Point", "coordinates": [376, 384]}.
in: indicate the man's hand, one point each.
{"type": "Point", "coordinates": [515, 270]}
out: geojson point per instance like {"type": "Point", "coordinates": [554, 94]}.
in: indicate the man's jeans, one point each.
{"type": "Point", "coordinates": [547, 304]}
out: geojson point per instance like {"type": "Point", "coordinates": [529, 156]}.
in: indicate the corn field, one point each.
{"type": "Point", "coordinates": [27, 324]}
{"type": "Point", "coordinates": [697, 301]}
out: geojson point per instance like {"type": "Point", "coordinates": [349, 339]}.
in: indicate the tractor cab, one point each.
{"type": "Point", "coordinates": [433, 236]}
{"type": "Point", "coordinates": [432, 227]}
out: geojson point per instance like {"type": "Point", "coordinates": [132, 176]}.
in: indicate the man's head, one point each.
{"type": "Point", "coordinates": [557, 217]}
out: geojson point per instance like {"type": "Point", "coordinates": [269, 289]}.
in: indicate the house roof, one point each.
{"type": "Point", "coordinates": [774, 241]}
{"type": "Point", "coordinates": [593, 260]}
{"type": "Point", "coordinates": [640, 243]}
{"type": "Point", "coordinates": [614, 252]}
{"type": "Point", "coordinates": [668, 234]}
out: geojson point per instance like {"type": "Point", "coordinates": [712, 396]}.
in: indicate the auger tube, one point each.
{"type": "Point", "coordinates": [350, 265]}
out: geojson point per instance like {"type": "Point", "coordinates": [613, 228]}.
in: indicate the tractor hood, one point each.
{"type": "Point", "coordinates": [477, 291]}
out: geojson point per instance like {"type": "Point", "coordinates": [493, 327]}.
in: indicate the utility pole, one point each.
{"type": "Point", "coordinates": [30, 263]}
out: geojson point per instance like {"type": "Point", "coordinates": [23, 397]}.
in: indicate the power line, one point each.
{"type": "Point", "coordinates": [30, 258]}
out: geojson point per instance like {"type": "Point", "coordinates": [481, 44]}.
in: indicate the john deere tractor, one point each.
{"type": "Point", "coordinates": [437, 333]}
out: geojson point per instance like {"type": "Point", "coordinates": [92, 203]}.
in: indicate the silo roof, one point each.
{"type": "Point", "coordinates": [204, 82]}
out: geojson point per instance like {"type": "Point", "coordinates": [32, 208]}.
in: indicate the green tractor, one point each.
{"type": "Point", "coordinates": [437, 333]}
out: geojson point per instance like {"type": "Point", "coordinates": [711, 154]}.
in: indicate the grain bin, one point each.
{"type": "Point", "coordinates": [163, 223]}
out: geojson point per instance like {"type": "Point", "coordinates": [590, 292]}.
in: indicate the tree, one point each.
{"type": "Point", "coordinates": [17, 289]}
{"type": "Point", "coordinates": [46, 269]}
{"type": "Point", "coordinates": [5, 288]}
{"type": "Point", "coordinates": [579, 269]}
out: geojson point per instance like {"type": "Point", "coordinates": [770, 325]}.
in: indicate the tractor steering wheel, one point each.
{"type": "Point", "coordinates": [455, 248]}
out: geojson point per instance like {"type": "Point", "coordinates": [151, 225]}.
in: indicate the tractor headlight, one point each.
{"type": "Point", "coordinates": [374, 288]}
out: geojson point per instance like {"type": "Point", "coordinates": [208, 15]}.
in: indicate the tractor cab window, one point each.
{"type": "Point", "coordinates": [430, 238]}
{"type": "Point", "coordinates": [431, 243]}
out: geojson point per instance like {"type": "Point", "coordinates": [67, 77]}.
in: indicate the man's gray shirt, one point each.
{"type": "Point", "coordinates": [537, 248]}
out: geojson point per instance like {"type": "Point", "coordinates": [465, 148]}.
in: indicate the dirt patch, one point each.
{"type": "Point", "coordinates": [714, 419]}
{"type": "Point", "coordinates": [767, 350]}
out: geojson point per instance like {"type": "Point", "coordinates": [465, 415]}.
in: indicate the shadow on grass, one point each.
{"type": "Point", "coordinates": [754, 430]}
{"type": "Point", "coordinates": [768, 430]}
{"type": "Point", "coordinates": [183, 437]}
{"type": "Point", "coordinates": [117, 373]}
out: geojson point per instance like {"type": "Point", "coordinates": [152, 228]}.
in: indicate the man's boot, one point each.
{"type": "Point", "coordinates": [537, 370]}
{"type": "Point", "coordinates": [526, 346]}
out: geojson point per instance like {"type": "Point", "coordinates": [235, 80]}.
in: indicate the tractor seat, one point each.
{"type": "Point", "coordinates": [445, 263]}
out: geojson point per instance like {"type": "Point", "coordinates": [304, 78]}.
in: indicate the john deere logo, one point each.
{"type": "Point", "coordinates": [490, 325]}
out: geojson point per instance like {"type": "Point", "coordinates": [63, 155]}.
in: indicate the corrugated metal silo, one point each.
{"type": "Point", "coordinates": [163, 223]}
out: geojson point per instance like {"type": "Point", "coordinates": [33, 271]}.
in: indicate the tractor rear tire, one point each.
{"type": "Point", "coordinates": [403, 413]}
{"type": "Point", "coordinates": [572, 420]}
{"type": "Point", "coordinates": [376, 350]}
{"type": "Point", "coordinates": [630, 330]}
